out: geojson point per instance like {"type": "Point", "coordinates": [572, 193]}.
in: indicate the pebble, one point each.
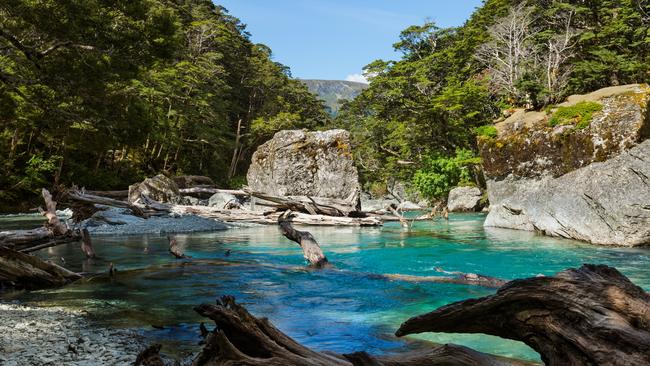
{"type": "Point", "coordinates": [32, 336]}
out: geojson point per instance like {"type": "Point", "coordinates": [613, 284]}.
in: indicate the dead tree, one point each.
{"type": "Point", "coordinates": [174, 249]}
{"type": "Point", "coordinates": [242, 339]}
{"type": "Point", "coordinates": [310, 248]}
{"type": "Point", "coordinates": [588, 316]}
{"type": "Point", "coordinates": [26, 271]}
{"type": "Point", "coordinates": [87, 245]}
{"type": "Point", "coordinates": [53, 232]}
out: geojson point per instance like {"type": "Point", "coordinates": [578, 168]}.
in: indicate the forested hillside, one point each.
{"type": "Point", "coordinates": [418, 120]}
{"type": "Point", "coordinates": [102, 93]}
{"type": "Point", "coordinates": [334, 92]}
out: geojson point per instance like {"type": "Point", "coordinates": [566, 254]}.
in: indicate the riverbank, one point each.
{"type": "Point", "coordinates": [33, 336]}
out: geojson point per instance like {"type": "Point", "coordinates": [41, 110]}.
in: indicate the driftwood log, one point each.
{"type": "Point", "coordinates": [174, 249]}
{"type": "Point", "coordinates": [310, 248]}
{"type": "Point", "coordinates": [53, 232]}
{"type": "Point", "coordinates": [25, 271]}
{"type": "Point", "coordinates": [588, 316]}
{"type": "Point", "coordinates": [242, 339]}
{"type": "Point", "coordinates": [87, 244]}
{"type": "Point", "coordinates": [309, 205]}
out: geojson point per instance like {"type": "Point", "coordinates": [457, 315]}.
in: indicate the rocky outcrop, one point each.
{"type": "Point", "coordinates": [464, 199]}
{"type": "Point", "coordinates": [159, 188]}
{"type": "Point", "coordinates": [590, 183]}
{"type": "Point", "coordinates": [302, 163]}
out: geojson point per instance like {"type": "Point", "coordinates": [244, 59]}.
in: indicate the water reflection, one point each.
{"type": "Point", "coordinates": [341, 311]}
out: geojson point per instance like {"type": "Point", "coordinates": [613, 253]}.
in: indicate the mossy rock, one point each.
{"type": "Point", "coordinates": [585, 129]}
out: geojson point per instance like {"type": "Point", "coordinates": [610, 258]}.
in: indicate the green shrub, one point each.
{"type": "Point", "coordinates": [440, 174]}
{"type": "Point", "coordinates": [486, 131]}
{"type": "Point", "coordinates": [579, 114]}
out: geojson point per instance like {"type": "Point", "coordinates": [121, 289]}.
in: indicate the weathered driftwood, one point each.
{"type": "Point", "coordinates": [310, 205]}
{"type": "Point", "coordinates": [80, 198]}
{"type": "Point", "coordinates": [53, 232]}
{"type": "Point", "coordinates": [29, 272]}
{"type": "Point", "coordinates": [87, 244]}
{"type": "Point", "coordinates": [150, 356]}
{"type": "Point", "coordinates": [174, 249]}
{"type": "Point", "coordinates": [205, 192]}
{"type": "Point", "coordinates": [271, 217]}
{"type": "Point", "coordinates": [118, 195]}
{"type": "Point", "coordinates": [588, 316]}
{"type": "Point", "coordinates": [242, 339]}
{"type": "Point", "coordinates": [310, 248]}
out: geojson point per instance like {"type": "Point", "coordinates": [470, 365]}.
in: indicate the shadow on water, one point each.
{"type": "Point", "coordinates": [342, 311]}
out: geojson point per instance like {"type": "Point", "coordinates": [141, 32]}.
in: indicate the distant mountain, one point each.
{"type": "Point", "coordinates": [332, 91]}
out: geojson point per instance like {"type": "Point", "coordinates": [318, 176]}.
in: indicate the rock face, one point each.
{"type": "Point", "coordinates": [302, 163]}
{"type": "Point", "coordinates": [590, 184]}
{"type": "Point", "coordinates": [159, 188]}
{"type": "Point", "coordinates": [464, 199]}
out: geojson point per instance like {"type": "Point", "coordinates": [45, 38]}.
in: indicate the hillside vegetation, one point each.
{"type": "Point", "coordinates": [335, 92]}
{"type": "Point", "coordinates": [450, 82]}
{"type": "Point", "coordinates": [103, 93]}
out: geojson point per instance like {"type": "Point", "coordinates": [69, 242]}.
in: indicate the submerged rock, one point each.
{"type": "Point", "coordinates": [159, 188]}
{"type": "Point", "coordinates": [302, 163]}
{"type": "Point", "coordinates": [590, 183]}
{"type": "Point", "coordinates": [464, 199]}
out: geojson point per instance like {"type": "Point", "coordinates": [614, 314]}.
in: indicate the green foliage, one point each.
{"type": "Point", "coordinates": [486, 131]}
{"type": "Point", "coordinates": [579, 114]}
{"type": "Point", "coordinates": [440, 174]}
{"type": "Point", "coordinates": [111, 91]}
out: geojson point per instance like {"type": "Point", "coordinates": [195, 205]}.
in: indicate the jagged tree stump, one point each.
{"type": "Point", "coordinates": [310, 248]}
{"type": "Point", "coordinates": [588, 316]}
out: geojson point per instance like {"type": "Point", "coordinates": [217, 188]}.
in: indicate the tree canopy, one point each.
{"type": "Point", "coordinates": [102, 93]}
{"type": "Point", "coordinates": [450, 82]}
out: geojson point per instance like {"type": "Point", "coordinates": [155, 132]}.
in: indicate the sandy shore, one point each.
{"type": "Point", "coordinates": [57, 336]}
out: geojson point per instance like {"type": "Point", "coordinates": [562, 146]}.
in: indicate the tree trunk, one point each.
{"type": "Point", "coordinates": [29, 272]}
{"type": "Point", "coordinates": [588, 316]}
{"type": "Point", "coordinates": [240, 339]}
{"type": "Point", "coordinates": [310, 248]}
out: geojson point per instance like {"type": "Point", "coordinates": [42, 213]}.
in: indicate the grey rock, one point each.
{"type": "Point", "coordinates": [159, 188]}
{"type": "Point", "coordinates": [372, 205]}
{"type": "Point", "coordinates": [192, 201]}
{"type": "Point", "coordinates": [224, 200]}
{"type": "Point", "coordinates": [604, 203]}
{"type": "Point", "coordinates": [409, 206]}
{"type": "Point", "coordinates": [464, 199]}
{"type": "Point", "coordinates": [302, 163]}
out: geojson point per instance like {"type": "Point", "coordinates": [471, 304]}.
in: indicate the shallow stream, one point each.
{"type": "Point", "coordinates": [341, 311]}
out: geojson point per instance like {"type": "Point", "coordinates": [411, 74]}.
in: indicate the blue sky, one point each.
{"type": "Point", "coordinates": [335, 39]}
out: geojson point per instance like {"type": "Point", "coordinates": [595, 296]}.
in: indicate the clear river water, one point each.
{"type": "Point", "coordinates": [342, 310]}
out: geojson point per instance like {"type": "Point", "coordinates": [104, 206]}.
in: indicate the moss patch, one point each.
{"type": "Point", "coordinates": [486, 132]}
{"type": "Point", "coordinates": [579, 114]}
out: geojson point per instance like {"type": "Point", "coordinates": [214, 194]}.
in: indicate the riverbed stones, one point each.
{"type": "Point", "coordinates": [159, 188]}
{"type": "Point", "coordinates": [464, 199]}
{"type": "Point", "coordinates": [589, 183]}
{"type": "Point", "coordinates": [56, 336]}
{"type": "Point", "coordinates": [303, 163]}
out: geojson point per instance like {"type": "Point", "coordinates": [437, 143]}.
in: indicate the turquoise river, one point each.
{"type": "Point", "coordinates": [341, 310]}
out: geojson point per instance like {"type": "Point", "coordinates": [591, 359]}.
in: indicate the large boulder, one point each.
{"type": "Point", "coordinates": [464, 199]}
{"type": "Point", "coordinates": [302, 163]}
{"type": "Point", "coordinates": [224, 201]}
{"type": "Point", "coordinates": [590, 183]}
{"type": "Point", "coordinates": [159, 188]}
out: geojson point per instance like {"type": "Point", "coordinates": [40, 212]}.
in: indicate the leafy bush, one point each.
{"type": "Point", "coordinates": [486, 131]}
{"type": "Point", "coordinates": [440, 174]}
{"type": "Point", "coordinates": [579, 114]}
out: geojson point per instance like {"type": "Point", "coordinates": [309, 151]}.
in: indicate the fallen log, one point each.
{"type": "Point", "coordinates": [242, 339]}
{"type": "Point", "coordinates": [588, 316]}
{"type": "Point", "coordinates": [53, 232]}
{"type": "Point", "coordinates": [81, 198]}
{"type": "Point", "coordinates": [118, 195]}
{"type": "Point", "coordinates": [25, 271]}
{"type": "Point", "coordinates": [310, 248]}
{"type": "Point", "coordinates": [174, 249]}
{"type": "Point", "coordinates": [206, 192]}
{"type": "Point", "coordinates": [310, 205]}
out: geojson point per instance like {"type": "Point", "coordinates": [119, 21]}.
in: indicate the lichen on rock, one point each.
{"type": "Point", "coordinates": [303, 163]}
